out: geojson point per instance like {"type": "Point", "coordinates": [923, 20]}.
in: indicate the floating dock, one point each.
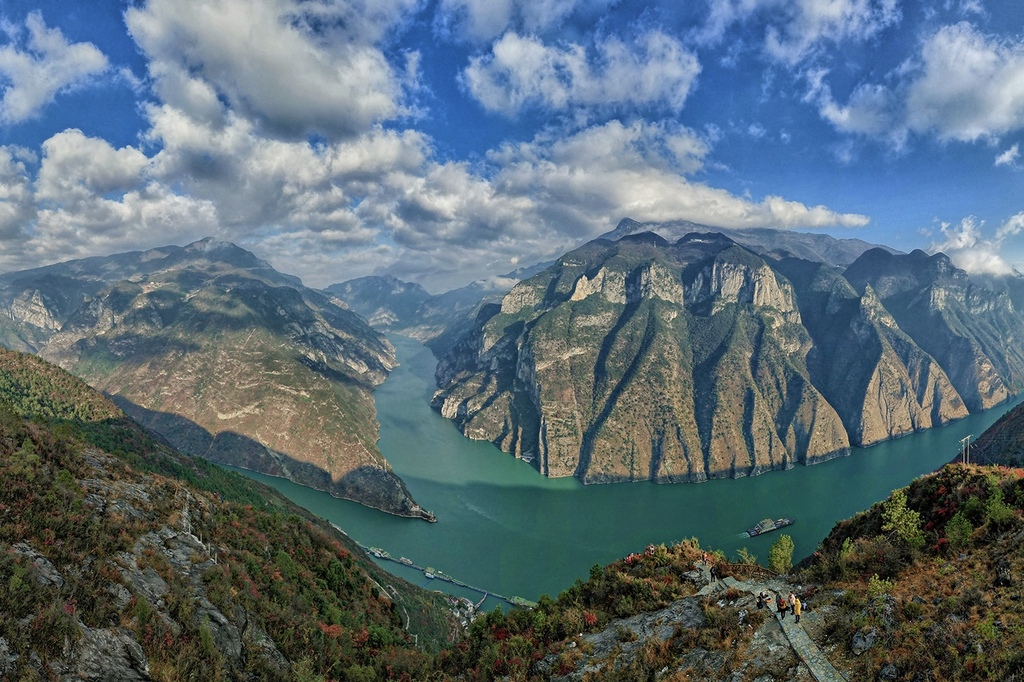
{"type": "Point", "coordinates": [434, 574]}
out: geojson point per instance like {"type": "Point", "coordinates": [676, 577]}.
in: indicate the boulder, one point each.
{"type": "Point", "coordinates": [862, 641]}
{"type": "Point", "coordinates": [109, 654]}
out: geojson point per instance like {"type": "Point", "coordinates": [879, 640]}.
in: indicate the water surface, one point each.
{"type": "Point", "coordinates": [505, 528]}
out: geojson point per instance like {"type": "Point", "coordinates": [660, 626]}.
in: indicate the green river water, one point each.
{"type": "Point", "coordinates": [505, 528]}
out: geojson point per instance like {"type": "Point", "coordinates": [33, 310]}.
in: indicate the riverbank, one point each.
{"type": "Point", "coordinates": [505, 528]}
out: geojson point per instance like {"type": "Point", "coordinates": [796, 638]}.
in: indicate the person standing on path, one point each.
{"type": "Point", "coordinates": [781, 605]}
{"type": "Point", "coordinates": [797, 606]}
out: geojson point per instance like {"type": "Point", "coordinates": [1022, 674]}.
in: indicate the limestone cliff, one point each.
{"type": "Point", "coordinates": [973, 332]}
{"type": "Point", "coordinates": [642, 360]}
{"type": "Point", "coordinates": [879, 380]}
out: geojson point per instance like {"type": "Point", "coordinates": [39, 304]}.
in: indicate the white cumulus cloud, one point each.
{"type": "Point", "coordinates": [33, 74]}
{"type": "Point", "coordinates": [295, 67]}
{"type": "Point", "coordinates": [1009, 157]}
{"type": "Point", "coordinates": [89, 198]}
{"type": "Point", "coordinates": [521, 72]}
{"type": "Point", "coordinates": [795, 28]}
{"type": "Point", "coordinates": [483, 20]}
{"type": "Point", "coordinates": [969, 249]}
{"type": "Point", "coordinates": [962, 85]}
{"type": "Point", "coordinates": [17, 205]}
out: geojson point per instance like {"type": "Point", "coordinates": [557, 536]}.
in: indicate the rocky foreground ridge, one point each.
{"type": "Point", "coordinates": [924, 586]}
{"type": "Point", "coordinates": [121, 559]}
{"type": "Point", "coordinates": [643, 359]}
{"type": "Point", "coordinates": [223, 356]}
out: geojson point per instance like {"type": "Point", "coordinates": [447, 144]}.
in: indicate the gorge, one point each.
{"type": "Point", "coordinates": [645, 359]}
{"type": "Point", "coordinates": [503, 527]}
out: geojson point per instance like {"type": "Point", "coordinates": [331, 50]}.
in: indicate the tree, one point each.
{"type": "Point", "coordinates": [901, 521]}
{"type": "Point", "coordinates": [780, 556]}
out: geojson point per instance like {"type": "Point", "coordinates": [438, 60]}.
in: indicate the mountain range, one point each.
{"type": "Point", "coordinates": [123, 559]}
{"type": "Point", "coordinates": [221, 355]}
{"type": "Point", "coordinates": [638, 358]}
{"type": "Point", "coordinates": [668, 352]}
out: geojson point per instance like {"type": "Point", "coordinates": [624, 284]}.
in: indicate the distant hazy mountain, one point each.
{"type": "Point", "coordinates": [385, 301]}
{"type": "Point", "coordinates": [225, 357]}
{"type": "Point", "coordinates": [816, 247]}
{"type": "Point", "coordinates": [391, 305]}
{"type": "Point", "coordinates": [645, 359]}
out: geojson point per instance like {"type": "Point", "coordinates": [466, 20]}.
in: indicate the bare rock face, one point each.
{"type": "Point", "coordinates": [880, 381]}
{"type": "Point", "coordinates": [32, 308]}
{"type": "Point", "coordinates": [109, 654]}
{"type": "Point", "coordinates": [973, 333]}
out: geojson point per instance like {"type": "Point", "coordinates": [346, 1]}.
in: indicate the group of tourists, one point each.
{"type": "Point", "coordinates": [782, 604]}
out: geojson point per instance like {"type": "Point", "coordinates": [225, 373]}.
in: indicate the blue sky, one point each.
{"type": "Point", "coordinates": [444, 141]}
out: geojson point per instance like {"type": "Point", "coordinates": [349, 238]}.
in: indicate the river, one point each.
{"type": "Point", "coordinates": [505, 528]}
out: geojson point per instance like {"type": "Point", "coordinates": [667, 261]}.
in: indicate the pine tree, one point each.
{"type": "Point", "coordinates": [780, 556]}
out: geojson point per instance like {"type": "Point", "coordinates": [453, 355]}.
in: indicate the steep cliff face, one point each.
{"type": "Point", "coordinates": [227, 359]}
{"type": "Point", "coordinates": [879, 380]}
{"type": "Point", "coordinates": [642, 360]}
{"type": "Point", "coordinates": [973, 332]}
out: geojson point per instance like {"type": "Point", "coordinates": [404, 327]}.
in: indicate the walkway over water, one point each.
{"type": "Point", "coordinates": [434, 574]}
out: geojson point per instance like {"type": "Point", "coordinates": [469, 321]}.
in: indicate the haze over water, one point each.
{"type": "Point", "coordinates": [505, 528]}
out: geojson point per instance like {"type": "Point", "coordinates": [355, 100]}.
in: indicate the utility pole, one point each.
{"type": "Point", "coordinates": [965, 444]}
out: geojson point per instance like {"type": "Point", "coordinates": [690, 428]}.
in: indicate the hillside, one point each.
{"type": "Point", "coordinates": [641, 359]}
{"type": "Point", "coordinates": [224, 357]}
{"type": "Point", "coordinates": [923, 586]}
{"type": "Point", "coordinates": [123, 559]}
{"type": "Point", "coordinates": [1003, 442]}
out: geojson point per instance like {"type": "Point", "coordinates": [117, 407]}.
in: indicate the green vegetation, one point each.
{"type": "Point", "coordinates": [780, 555]}
{"type": "Point", "coordinates": [91, 510]}
{"type": "Point", "coordinates": [902, 522]}
{"type": "Point", "coordinates": [934, 571]}
{"type": "Point", "coordinates": [512, 646]}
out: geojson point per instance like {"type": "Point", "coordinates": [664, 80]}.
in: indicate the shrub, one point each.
{"type": "Point", "coordinates": [998, 513]}
{"type": "Point", "coordinates": [958, 531]}
{"type": "Point", "coordinates": [878, 587]}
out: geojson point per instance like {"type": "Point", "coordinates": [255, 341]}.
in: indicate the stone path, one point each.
{"type": "Point", "coordinates": [806, 649]}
